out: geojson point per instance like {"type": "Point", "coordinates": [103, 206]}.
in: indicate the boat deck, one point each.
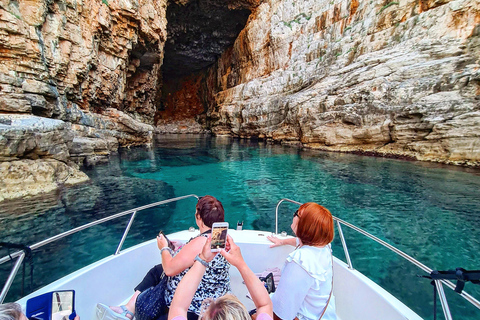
{"type": "Point", "coordinates": [112, 279]}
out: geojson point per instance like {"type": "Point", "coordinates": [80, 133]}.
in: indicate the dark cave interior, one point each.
{"type": "Point", "coordinates": [198, 33]}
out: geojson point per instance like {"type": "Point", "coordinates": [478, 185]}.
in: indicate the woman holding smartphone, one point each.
{"type": "Point", "coordinates": [305, 287]}
{"type": "Point", "coordinates": [176, 264]}
{"type": "Point", "coordinates": [226, 307]}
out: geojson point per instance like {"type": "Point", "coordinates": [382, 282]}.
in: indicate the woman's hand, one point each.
{"type": "Point", "coordinates": [234, 256]}
{"type": "Point", "coordinates": [276, 242]}
{"type": "Point", "coordinates": [281, 242]}
{"type": "Point", "coordinates": [207, 253]}
{"type": "Point", "coordinates": [161, 241]}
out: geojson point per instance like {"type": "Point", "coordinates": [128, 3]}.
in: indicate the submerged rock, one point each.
{"type": "Point", "coordinates": [24, 178]}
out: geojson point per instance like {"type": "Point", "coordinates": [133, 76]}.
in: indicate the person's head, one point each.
{"type": "Point", "coordinates": [313, 224]}
{"type": "Point", "coordinates": [227, 307]}
{"type": "Point", "coordinates": [11, 311]}
{"type": "Point", "coordinates": [210, 210]}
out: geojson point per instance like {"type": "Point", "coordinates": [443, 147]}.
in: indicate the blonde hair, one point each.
{"type": "Point", "coordinates": [10, 311]}
{"type": "Point", "coordinates": [227, 307]}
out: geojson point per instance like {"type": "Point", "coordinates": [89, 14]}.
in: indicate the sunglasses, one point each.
{"type": "Point", "coordinates": [295, 214]}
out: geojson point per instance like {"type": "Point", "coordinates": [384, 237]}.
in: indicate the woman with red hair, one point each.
{"type": "Point", "coordinates": [305, 288]}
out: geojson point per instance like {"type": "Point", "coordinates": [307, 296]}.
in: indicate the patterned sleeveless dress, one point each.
{"type": "Point", "coordinates": [215, 282]}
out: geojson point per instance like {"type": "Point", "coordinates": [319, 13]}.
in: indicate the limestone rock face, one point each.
{"type": "Point", "coordinates": [32, 137]}
{"type": "Point", "coordinates": [71, 60]}
{"type": "Point", "coordinates": [78, 79]}
{"type": "Point", "coordinates": [88, 54]}
{"type": "Point", "coordinates": [397, 78]}
{"type": "Point", "coordinates": [180, 126]}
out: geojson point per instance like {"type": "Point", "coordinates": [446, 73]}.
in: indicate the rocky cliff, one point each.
{"type": "Point", "coordinates": [92, 66]}
{"type": "Point", "coordinates": [383, 77]}
{"type": "Point", "coordinates": [80, 78]}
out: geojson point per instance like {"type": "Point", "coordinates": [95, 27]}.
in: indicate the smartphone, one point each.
{"type": "Point", "coordinates": [169, 243]}
{"type": "Point", "coordinates": [219, 236]}
{"type": "Point", "coordinates": [52, 305]}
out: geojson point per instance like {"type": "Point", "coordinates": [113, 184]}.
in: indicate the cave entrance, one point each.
{"type": "Point", "coordinates": [199, 31]}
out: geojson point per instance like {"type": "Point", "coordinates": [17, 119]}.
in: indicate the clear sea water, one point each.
{"type": "Point", "coordinates": [430, 211]}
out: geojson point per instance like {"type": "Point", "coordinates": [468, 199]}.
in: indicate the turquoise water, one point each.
{"type": "Point", "coordinates": [431, 212]}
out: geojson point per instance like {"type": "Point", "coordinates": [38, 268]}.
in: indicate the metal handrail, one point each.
{"type": "Point", "coordinates": [37, 245]}
{"type": "Point", "coordinates": [276, 211]}
{"type": "Point", "coordinates": [127, 229]}
{"type": "Point", "coordinates": [9, 281]}
{"type": "Point", "coordinates": [438, 283]}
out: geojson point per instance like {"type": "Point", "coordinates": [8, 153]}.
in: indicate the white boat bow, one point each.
{"type": "Point", "coordinates": [112, 279]}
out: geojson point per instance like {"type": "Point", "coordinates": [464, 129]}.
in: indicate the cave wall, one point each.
{"type": "Point", "coordinates": [182, 105]}
{"type": "Point", "coordinates": [199, 31]}
{"type": "Point", "coordinates": [378, 77]}
{"type": "Point", "coordinates": [62, 58]}
{"type": "Point", "coordinates": [78, 79]}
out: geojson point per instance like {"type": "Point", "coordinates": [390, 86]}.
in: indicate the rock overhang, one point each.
{"type": "Point", "coordinates": [199, 31]}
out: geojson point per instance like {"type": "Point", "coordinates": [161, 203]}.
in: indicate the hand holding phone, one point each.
{"type": "Point", "coordinates": [169, 243]}
{"type": "Point", "coordinates": [234, 255]}
{"type": "Point", "coordinates": [207, 253]}
{"type": "Point", "coordinates": [219, 236]}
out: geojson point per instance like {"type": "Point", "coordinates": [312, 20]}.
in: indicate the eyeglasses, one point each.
{"type": "Point", "coordinates": [295, 214]}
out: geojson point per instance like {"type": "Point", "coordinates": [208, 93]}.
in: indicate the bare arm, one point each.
{"type": "Point", "coordinates": [189, 284]}
{"type": "Point", "coordinates": [254, 285]}
{"type": "Point", "coordinates": [183, 259]}
{"type": "Point", "coordinates": [280, 242]}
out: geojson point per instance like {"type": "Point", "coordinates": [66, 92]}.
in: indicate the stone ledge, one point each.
{"type": "Point", "coordinates": [181, 126]}
{"type": "Point", "coordinates": [32, 137]}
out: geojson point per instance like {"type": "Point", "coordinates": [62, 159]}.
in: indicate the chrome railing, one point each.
{"type": "Point", "coordinates": [21, 254]}
{"type": "Point", "coordinates": [438, 283]}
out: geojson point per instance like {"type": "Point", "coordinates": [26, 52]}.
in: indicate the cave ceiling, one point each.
{"type": "Point", "coordinates": [199, 31]}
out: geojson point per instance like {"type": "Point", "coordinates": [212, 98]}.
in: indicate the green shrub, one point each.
{"type": "Point", "coordinates": [386, 6]}
{"type": "Point", "coordinates": [297, 19]}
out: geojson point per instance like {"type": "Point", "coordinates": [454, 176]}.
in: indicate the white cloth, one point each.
{"type": "Point", "coordinates": [305, 285]}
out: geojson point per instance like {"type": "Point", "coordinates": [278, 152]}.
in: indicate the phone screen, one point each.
{"type": "Point", "coordinates": [62, 304]}
{"type": "Point", "coordinates": [219, 237]}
